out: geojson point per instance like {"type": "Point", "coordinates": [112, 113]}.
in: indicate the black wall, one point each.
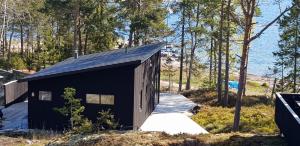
{"type": "Point", "coordinates": [146, 89]}
{"type": "Point", "coordinates": [118, 81]}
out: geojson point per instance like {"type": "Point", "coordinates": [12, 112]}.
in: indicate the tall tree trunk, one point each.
{"type": "Point", "coordinates": [27, 41]}
{"type": "Point", "coordinates": [22, 40]}
{"type": "Point", "coordinates": [246, 73]}
{"type": "Point", "coordinates": [186, 62]}
{"type": "Point", "coordinates": [188, 83]}
{"type": "Point", "coordinates": [182, 47]}
{"type": "Point", "coordinates": [282, 74]}
{"type": "Point", "coordinates": [249, 12]}
{"type": "Point", "coordinates": [225, 102]}
{"type": "Point", "coordinates": [295, 57]}
{"type": "Point", "coordinates": [85, 42]}
{"type": "Point", "coordinates": [220, 54]}
{"type": "Point", "coordinates": [246, 70]}
{"type": "Point", "coordinates": [39, 50]}
{"type": "Point", "coordinates": [242, 77]}
{"type": "Point", "coordinates": [215, 61]}
{"type": "Point", "coordinates": [130, 39]}
{"type": "Point", "coordinates": [3, 45]}
{"type": "Point", "coordinates": [79, 40]}
{"type": "Point", "coordinates": [9, 45]}
{"type": "Point", "coordinates": [76, 20]}
{"type": "Point", "coordinates": [274, 88]}
{"type": "Point", "coordinates": [211, 58]}
{"type": "Point", "coordinates": [188, 57]}
{"type": "Point", "coordinates": [248, 9]}
{"type": "Point", "coordinates": [3, 30]}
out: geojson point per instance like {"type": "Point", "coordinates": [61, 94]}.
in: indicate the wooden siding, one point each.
{"type": "Point", "coordinates": [14, 90]}
{"type": "Point", "coordinates": [113, 81]}
{"type": "Point", "coordinates": [146, 89]}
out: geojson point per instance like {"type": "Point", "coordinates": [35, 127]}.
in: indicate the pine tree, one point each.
{"type": "Point", "coordinates": [72, 108]}
{"type": "Point", "coordinates": [288, 55]}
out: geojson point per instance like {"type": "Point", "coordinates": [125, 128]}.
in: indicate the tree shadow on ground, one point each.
{"type": "Point", "coordinates": [209, 97]}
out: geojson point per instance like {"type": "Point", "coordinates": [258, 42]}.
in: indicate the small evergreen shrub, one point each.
{"type": "Point", "coordinates": [265, 85]}
{"type": "Point", "coordinates": [73, 111]}
{"type": "Point", "coordinates": [106, 121]}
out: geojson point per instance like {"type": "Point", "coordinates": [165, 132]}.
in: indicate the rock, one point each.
{"type": "Point", "coordinates": [29, 142]}
{"type": "Point", "coordinates": [195, 109]}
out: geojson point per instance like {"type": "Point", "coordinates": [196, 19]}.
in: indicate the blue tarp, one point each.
{"type": "Point", "coordinates": [233, 84]}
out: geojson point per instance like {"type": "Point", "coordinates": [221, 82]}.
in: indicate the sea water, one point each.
{"type": "Point", "coordinates": [261, 50]}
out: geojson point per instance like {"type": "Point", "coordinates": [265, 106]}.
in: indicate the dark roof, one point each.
{"type": "Point", "coordinates": [98, 61]}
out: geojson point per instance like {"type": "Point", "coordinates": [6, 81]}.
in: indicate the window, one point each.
{"type": "Point", "coordinates": [100, 99]}
{"type": "Point", "coordinates": [108, 99]}
{"type": "Point", "coordinates": [93, 98]}
{"type": "Point", "coordinates": [45, 95]}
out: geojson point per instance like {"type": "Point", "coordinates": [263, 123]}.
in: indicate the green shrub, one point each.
{"type": "Point", "coordinates": [17, 62]}
{"type": "Point", "coordinates": [106, 121]}
{"type": "Point", "coordinates": [265, 85]}
{"type": "Point", "coordinates": [86, 126]}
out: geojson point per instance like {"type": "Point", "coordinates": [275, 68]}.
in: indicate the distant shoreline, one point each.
{"type": "Point", "coordinates": [257, 78]}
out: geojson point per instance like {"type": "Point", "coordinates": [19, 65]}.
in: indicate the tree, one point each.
{"type": "Point", "coordinates": [195, 33]}
{"type": "Point", "coordinates": [288, 55]}
{"type": "Point", "coordinates": [72, 108]}
{"type": "Point", "coordinates": [248, 8]}
{"type": "Point", "coordinates": [183, 5]}
{"type": "Point", "coordinates": [225, 98]}
{"type": "Point", "coordinates": [145, 18]}
{"type": "Point", "coordinates": [3, 28]}
{"type": "Point", "coordinates": [220, 81]}
{"type": "Point", "coordinates": [169, 70]}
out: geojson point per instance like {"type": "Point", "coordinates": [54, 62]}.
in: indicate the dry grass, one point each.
{"type": "Point", "coordinates": [125, 138]}
{"type": "Point", "coordinates": [32, 138]}
{"type": "Point", "coordinates": [162, 139]}
{"type": "Point", "coordinates": [20, 141]}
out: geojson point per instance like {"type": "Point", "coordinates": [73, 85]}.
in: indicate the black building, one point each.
{"type": "Point", "coordinates": [124, 80]}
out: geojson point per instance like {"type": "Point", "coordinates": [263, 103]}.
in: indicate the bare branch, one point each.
{"type": "Point", "coordinates": [269, 24]}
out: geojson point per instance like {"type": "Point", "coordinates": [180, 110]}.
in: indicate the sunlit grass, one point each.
{"type": "Point", "coordinates": [258, 119]}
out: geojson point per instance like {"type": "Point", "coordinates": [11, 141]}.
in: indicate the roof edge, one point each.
{"type": "Point", "coordinates": [162, 44]}
{"type": "Point", "coordinates": [81, 71]}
